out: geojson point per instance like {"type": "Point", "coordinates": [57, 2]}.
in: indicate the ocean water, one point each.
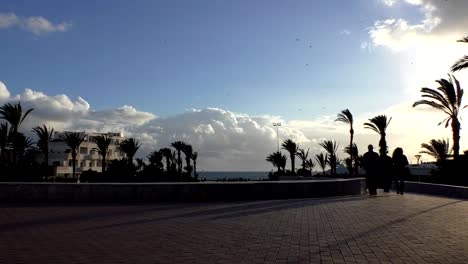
{"type": "Point", "coordinates": [251, 175]}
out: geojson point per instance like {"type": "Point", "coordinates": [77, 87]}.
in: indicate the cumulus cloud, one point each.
{"type": "Point", "coordinates": [345, 32]}
{"type": "Point", "coordinates": [37, 25]}
{"type": "Point", "coordinates": [224, 139]}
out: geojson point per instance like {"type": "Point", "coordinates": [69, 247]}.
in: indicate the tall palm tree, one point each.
{"type": "Point", "coordinates": [448, 99]}
{"type": "Point", "coordinates": [278, 160]}
{"type": "Point", "coordinates": [353, 152]}
{"type": "Point", "coordinates": [167, 153]}
{"type": "Point", "coordinates": [21, 143]}
{"type": "Point", "coordinates": [194, 158]}
{"type": "Point", "coordinates": [291, 147]}
{"type": "Point", "coordinates": [331, 148]}
{"type": "Point", "coordinates": [437, 148]}
{"type": "Point", "coordinates": [129, 146]}
{"type": "Point", "coordinates": [463, 62]}
{"type": "Point", "coordinates": [303, 155]}
{"type": "Point", "coordinates": [178, 145]}
{"type": "Point", "coordinates": [14, 115]}
{"type": "Point", "coordinates": [102, 142]}
{"type": "Point", "coordinates": [44, 136]}
{"type": "Point", "coordinates": [3, 140]}
{"type": "Point", "coordinates": [155, 158]}
{"type": "Point", "coordinates": [73, 141]}
{"type": "Point", "coordinates": [346, 117]}
{"type": "Point", "coordinates": [188, 151]}
{"type": "Point", "coordinates": [322, 161]}
{"type": "Point", "coordinates": [379, 124]}
{"type": "Point", "coordinates": [309, 164]}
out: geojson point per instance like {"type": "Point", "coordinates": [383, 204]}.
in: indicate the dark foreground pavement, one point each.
{"type": "Point", "coordinates": [386, 229]}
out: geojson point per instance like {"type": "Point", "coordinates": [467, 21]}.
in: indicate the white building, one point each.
{"type": "Point", "coordinates": [87, 157]}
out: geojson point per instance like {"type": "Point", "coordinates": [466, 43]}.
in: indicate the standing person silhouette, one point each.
{"type": "Point", "coordinates": [371, 165]}
{"type": "Point", "coordinates": [400, 165]}
{"type": "Point", "coordinates": [386, 168]}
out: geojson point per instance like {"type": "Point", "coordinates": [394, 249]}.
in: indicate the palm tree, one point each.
{"type": "Point", "coordinates": [188, 151]}
{"type": "Point", "coordinates": [463, 62]}
{"type": "Point", "coordinates": [303, 155]}
{"type": "Point", "coordinates": [178, 145]}
{"type": "Point", "coordinates": [291, 147]}
{"type": "Point", "coordinates": [155, 158]}
{"type": "Point", "coordinates": [278, 160]}
{"type": "Point", "coordinates": [140, 164]}
{"type": "Point", "coordinates": [380, 124]}
{"type": "Point", "coordinates": [44, 136]}
{"type": "Point", "coordinates": [13, 114]}
{"type": "Point", "coordinates": [21, 143]}
{"type": "Point", "coordinates": [73, 141]}
{"type": "Point", "coordinates": [167, 153]}
{"type": "Point", "coordinates": [437, 148]}
{"type": "Point", "coordinates": [322, 161]}
{"type": "Point", "coordinates": [309, 164]}
{"type": "Point", "coordinates": [331, 148]}
{"type": "Point", "coordinates": [102, 142]}
{"type": "Point", "coordinates": [129, 146]}
{"type": "Point", "coordinates": [448, 99]}
{"type": "Point", "coordinates": [3, 141]}
{"type": "Point", "coordinates": [194, 158]}
{"type": "Point", "coordinates": [346, 117]}
{"type": "Point", "coordinates": [353, 152]}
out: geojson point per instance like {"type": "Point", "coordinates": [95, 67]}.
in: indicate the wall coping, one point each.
{"type": "Point", "coordinates": [437, 184]}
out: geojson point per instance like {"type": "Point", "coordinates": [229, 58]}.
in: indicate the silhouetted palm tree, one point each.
{"type": "Point", "coordinates": [188, 151]}
{"type": "Point", "coordinates": [3, 141]}
{"type": "Point", "coordinates": [44, 136]}
{"type": "Point", "coordinates": [14, 115]}
{"type": "Point", "coordinates": [346, 117]}
{"type": "Point", "coordinates": [291, 147]}
{"type": "Point", "coordinates": [21, 143]}
{"type": "Point", "coordinates": [278, 160]}
{"type": "Point", "coordinates": [380, 124]}
{"type": "Point", "coordinates": [102, 142]}
{"type": "Point", "coordinates": [303, 155]}
{"type": "Point", "coordinates": [73, 141]}
{"type": "Point", "coordinates": [140, 164]}
{"type": "Point", "coordinates": [322, 161]}
{"type": "Point", "coordinates": [463, 62]}
{"type": "Point", "coordinates": [129, 146]}
{"type": "Point", "coordinates": [167, 153]}
{"type": "Point", "coordinates": [155, 158]}
{"type": "Point", "coordinates": [437, 148]}
{"type": "Point", "coordinates": [178, 145]}
{"type": "Point", "coordinates": [331, 148]}
{"type": "Point", "coordinates": [194, 158]}
{"type": "Point", "coordinates": [354, 152]}
{"type": "Point", "coordinates": [448, 99]}
{"type": "Point", "coordinates": [309, 164]}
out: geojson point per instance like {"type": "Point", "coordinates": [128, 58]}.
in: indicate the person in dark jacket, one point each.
{"type": "Point", "coordinates": [386, 168]}
{"type": "Point", "coordinates": [371, 165]}
{"type": "Point", "coordinates": [400, 166]}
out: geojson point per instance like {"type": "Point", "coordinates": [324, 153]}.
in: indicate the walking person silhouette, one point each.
{"type": "Point", "coordinates": [371, 165]}
{"type": "Point", "coordinates": [400, 166]}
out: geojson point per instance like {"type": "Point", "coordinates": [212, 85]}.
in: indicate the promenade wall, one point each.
{"type": "Point", "coordinates": [163, 192]}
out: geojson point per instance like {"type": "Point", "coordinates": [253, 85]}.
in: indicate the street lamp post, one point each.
{"type": "Point", "coordinates": [277, 125]}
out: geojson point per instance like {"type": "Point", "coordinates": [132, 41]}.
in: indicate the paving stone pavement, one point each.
{"type": "Point", "coordinates": [357, 229]}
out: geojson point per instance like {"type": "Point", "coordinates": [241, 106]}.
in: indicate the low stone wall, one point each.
{"type": "Point", "coordinates": [155, 192]}
{"type": "Point", "coordinates": [437, 189]}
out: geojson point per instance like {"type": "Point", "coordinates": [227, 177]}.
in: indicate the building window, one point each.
{"type": "Point", "coordinates": [83, 150]}
{"type": "Point", "coordinates": [70, 163]}
{"type": "Point", "coordinates": [82, 164]}
{"type": "Point", "coordinates": [90, 164]}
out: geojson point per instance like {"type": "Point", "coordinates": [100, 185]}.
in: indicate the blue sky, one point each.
{"type": "Point", "coordinates": [140, 67]}
{"type": "Point", "coordinates": [256, 57]}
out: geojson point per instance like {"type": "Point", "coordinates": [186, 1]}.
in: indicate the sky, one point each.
{"type": "Point", "coordinates": [217, 74]}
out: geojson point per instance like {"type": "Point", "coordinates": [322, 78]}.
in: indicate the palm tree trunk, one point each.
{"type": "Point", "coordinates": [351, 151]}
{"type": "Point", "coordinates": [73, 163]}
{"type": "Point", "coordinates": [46, 155]}
{"type": "Point", "coordinates": [292, 162]}
{"type": "Point", "coordinates": [456, 137]}
{"type": "Point", "coordinates": [103, 164]}
{"type": "Point", "coordinates": [195, 170]}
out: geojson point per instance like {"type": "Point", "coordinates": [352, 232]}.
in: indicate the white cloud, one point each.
{"type": "Point", "coordinates": [224, 139]}
{"type": "Point", "coordinates": [345, 32]}
{"type": "Point", "coordinates": [35, 24]}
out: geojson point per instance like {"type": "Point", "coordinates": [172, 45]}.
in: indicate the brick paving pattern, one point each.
{"type": "Point", "coordinates": [386, 229]}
